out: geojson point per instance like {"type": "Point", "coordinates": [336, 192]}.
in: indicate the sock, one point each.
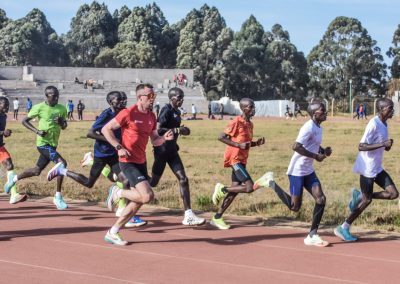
{"type": "Point", "coordinates": [188, 212]}
{"type": "Point", "coordinates": [91, 162]}
{"type": "Point", "coordinates": [119, 193]}
{"type": "Point", "coordinates": [15, 178]}
{"type": "Point", "coordinates": [63, 171]}
{"type": "Point", "coordinates": [114, 230]}
{"type": "Point", "coordinates": [346, 225]}
{"type": "Point", "coordinates": [58, 194]}
{"type": "Point", "coordinates": [106, 171]}
{"type": "Point", "coordinates": [217, 215]}
{"type": "Point", "coordinates": [14, 190]}
{"type": "Point", "coordinates": [317, 216]}
{"type": "Point", "coordinates": [9, 173]}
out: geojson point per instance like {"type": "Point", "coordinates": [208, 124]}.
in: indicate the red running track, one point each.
{"type": "Point", "coordinates": [39, 244]}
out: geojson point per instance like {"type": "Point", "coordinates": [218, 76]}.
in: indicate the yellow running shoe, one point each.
{"type": "Point", "coordinates": [219, 223]}
{"type": "Point", "coordinates": [218, 194]}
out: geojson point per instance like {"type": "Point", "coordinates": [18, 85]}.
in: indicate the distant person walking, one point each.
{"type": "Point", "coordinates": [80, 107]}
{"type": "Point", "coordinates": [222, 111]}
{"type": "Point", "coordinates": [209, 110]}
{"type": "Point", "coordinates": [16, 108]}
{"type": "Point", "coordinates": [70, 109]}
{"type": "Point", "coordinates": [194, 111]}
{"type": "Point", "coordinates": [28, 105]}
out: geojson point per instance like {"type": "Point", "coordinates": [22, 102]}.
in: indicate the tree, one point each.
{"type": "Point", "coordinates": [31, 40]}
{"type": "Point", "coordinates": [92, 29]}
{"type": "Point", "coordinates": [245, 61]}
{"type": "Point", "coordinates": [346, 52]}
{"type": "Point", "coordinates": [286, 68]}
{"type": "Point", "coordinates": [3, 19]}
{"type": "Point", "coordinates": [394, 51]}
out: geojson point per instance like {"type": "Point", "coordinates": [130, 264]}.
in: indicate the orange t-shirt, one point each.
{"type": "Point", "coordinates": [240, 131]}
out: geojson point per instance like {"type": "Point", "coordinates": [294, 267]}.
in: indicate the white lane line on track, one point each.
{"type": "Point", "coordinates": [252, 267]}
{"type": "Point", "coordinates": [68, 271]}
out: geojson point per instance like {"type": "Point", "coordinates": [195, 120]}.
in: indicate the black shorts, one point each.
{"type": "Point", "coordinates": [239, 173]}
{"type": "Point", "coordinates": [48, 154]}
{"type": "Point", "coordinates": [100, 163]}
{"type": "Point", "coordinates": [382, 179]}
{"type": "Point", "coordinates": [161, 158]}
{"type": "Point", "coordinates": [135, 173]}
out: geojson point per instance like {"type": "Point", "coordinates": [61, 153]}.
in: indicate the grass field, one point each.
{"type": "Point", "coordinates": [202, 155]}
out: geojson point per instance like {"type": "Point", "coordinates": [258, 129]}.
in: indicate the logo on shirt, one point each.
{"type": "Point", "coordinates": [138, 121]}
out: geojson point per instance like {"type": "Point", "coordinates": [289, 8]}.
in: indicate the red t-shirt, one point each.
{"type": "Point", "coordinates": [240, 131]}
{"type": "Point", "coordinates": [136, 128]}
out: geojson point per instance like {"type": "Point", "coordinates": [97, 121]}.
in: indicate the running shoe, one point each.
{"type": "Point", "coordinates": [315, 240]}
{"type": "Point", "coordinates": [135, 221]}
{"type": "Point", "coordinates": [60, 203]}
{"type": "Point", "coordinates": [111, 198]}
{"type": "Point", "coordinates": [344, 234]}
{"type": "Point", "coordinates": [218, 194]}
{"type": "Point", "coordinates": [219, 223]}
{"type": "Point", "coordinates": [115, 239]}
{"type": "Point", "coordinates": [87, 159]}
{"type": "Point", "coordinates": [355, 199]}
{"type": "Point", "coordinates": [192, 220]}
{"type": "Point", "coordinates": [10, 182]}
{"type": "Point", "coordinates": [267, 180]}
{"type": "Point", "coordinates": [15, 198]}
{"type": "Point", "coordinates": [55, 171]}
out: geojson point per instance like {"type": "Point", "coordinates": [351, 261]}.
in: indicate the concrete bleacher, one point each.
{"type": "Point", "coordinates": [94, 99]}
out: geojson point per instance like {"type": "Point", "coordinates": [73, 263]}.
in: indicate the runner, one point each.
{"type": "Point", "coordinates": [307, 148]}
{"type": "Point", "coordinates": [5, 157]}
{"type": "Point", "coordinates": [137, 124]}
{"type": "Point", "coordinates": [52, 119]}
{"type": "Point", "coordinates": [104, 154]}
{"type": "Point", "coordinates": [238, 136]}
{"type": "Point", "coordinates": [369, 166]}
{"type": "Point", "coordinates": [170, 119]}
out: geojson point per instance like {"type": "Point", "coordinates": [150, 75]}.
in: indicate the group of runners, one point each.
{"type": "Point", "coordinates": [121, 135]}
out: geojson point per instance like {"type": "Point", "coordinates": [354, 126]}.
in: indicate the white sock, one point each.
{"type": "Point", "coordinates": [63, 171]}
{"type": "Point", "coordinates": [114, 230]}
{"type": "Point", "coordinates": [58, 194]}
{"type": "Point", "coordinates": [188, 212]}
{"type": "Point", "coordinates": [346, 225]}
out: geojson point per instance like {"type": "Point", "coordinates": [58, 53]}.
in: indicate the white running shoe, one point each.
{"type": "Point", "coordinates": [87, 159]}
{"type": "Point", "coordinates": [15, 198]}
{"type": "Point", "coordinates": [193, 220]}
{"type": "Point", "coordinates": [315, 240]}
{"type": "Point", "coordinates": [115, 239]}
{"type": "Point", "coordinates": [267, 180]}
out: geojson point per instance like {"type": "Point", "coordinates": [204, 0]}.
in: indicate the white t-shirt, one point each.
{"type": "Point", "coordinates": [16, 104]}
{"type": "Point", "coordinates": [369, 163]}
{"type": "Point", "coordinates": [310, 136]}
{"type": "Point", "coordinates": [194, 110]}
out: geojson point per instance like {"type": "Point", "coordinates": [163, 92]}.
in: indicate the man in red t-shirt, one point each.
{"type": "Point", "coordinates": [238, 137]}
{"type": "Point", "coordinates": [137, 124]}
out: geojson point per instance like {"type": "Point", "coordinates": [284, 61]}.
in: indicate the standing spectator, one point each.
{"type": "Point", "coordinates": [157, 108]}
{"type": "Point", "coordinates": [194, 111]}
{"type": "Point", "coordinates": [16, 108]}
{"type": "Point", "coordinates": [28, 105]}
{"type": "Point", "coordinates": [357, 114]}
{"type": "Point", "coordinates": [80, 107]}
{"type": "Point", "coordinates": [70, 109]}
{"type": "Point", "coordinates": [209, 110]}
{"type": "Point", "coordinates": [361, 111]}
{"type": "Point", "coordinates": [222, 111]}
{"type": "Point", "coordinates": [365, 110]}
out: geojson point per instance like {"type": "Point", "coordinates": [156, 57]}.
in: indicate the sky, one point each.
{"type": "Point", "coordinates": [305, 20]}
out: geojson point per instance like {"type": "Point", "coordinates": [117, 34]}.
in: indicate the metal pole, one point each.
{"type": "Point", "coordinates": [350, 104]}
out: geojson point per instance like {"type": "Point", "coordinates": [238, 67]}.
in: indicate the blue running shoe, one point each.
{"type": "Point", "coordinates": [55, 171]}
{"type": "Point", "coordinates": [355, 199]}
{"type": "Point", "coordinates": [10, 183]}
{"type": "Point", "coordinates": [344, 234]}
{"type": "Point", "coordinates": [134, 222]}
{"type": "Point", "coordinates": [60, 203]}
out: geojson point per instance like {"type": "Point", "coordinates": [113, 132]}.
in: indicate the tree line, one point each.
{"type": "Point", "coordinates": [252, 62]}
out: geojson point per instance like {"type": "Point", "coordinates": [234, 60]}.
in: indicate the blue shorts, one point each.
{"type": "Point", "coordinates": [298, 183]}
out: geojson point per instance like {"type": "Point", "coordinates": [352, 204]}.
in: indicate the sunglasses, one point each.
{"type": "Point", "coordinates": [149, 93]}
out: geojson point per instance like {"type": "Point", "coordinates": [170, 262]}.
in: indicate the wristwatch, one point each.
{"type": "Point", "coordinates": [118, 147]}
